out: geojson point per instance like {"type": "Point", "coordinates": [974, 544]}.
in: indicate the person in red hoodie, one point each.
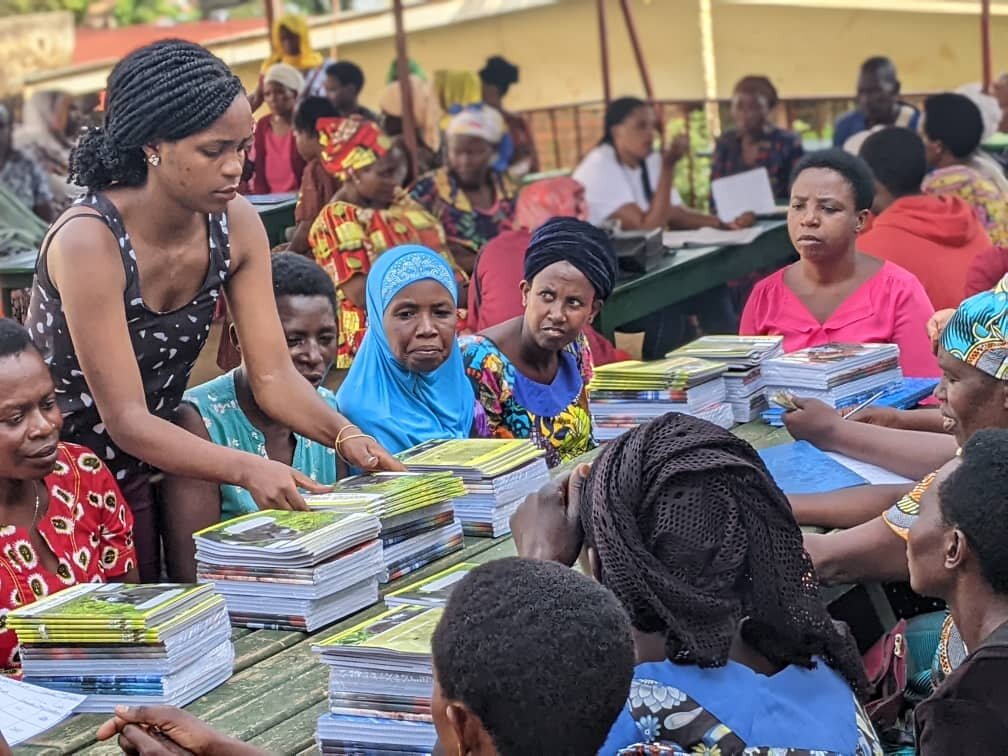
{"type": "Point", "coordinates": [935, 238]}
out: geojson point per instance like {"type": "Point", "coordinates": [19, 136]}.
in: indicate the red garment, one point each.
{"type": "Point", "coordinates": [935, 238]}
{"type": "Point", "coordinates": [495, 296]}
{"type": "Point", "coordinates": [891, 307]}
{"type": "Point", "coordinates": [986, 271]}
{"type": "Point", "coordinates": [87, 526]}
{"type": "Point", "coordinates": [260, 150]}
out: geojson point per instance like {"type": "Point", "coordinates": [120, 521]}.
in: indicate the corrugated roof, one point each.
{"type": "Point", "coordinates": [99, 45]}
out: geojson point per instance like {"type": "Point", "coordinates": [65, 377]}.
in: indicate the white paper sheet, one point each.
{"type": "Point", "coordinates": [28, 710]}
{"type": "Point", "coordinates": [748, 192]}
{"type": "Point", "coordinates": [711, 237]}
{"type": "Point", "coordinates": [874, 474]}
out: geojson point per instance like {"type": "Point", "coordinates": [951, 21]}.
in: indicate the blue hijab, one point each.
{"type": "Point", "coordinates": [381, 397]}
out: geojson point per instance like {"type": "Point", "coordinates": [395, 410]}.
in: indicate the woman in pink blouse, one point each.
{"type": "Point", "coordinates": [835, 293]}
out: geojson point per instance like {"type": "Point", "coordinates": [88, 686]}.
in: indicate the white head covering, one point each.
{"type": "Point", "coordinates": [989, 107]}
{"type": "Point", "coordinates": [285, 75]}
{"type": "Point", "coordinates": [478, 121]}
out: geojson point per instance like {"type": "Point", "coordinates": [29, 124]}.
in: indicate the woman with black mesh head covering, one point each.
{"type": "Point", "coordinates": [736, 650]}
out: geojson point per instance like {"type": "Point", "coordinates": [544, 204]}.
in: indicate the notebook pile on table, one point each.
{"type": "Point", "coordinates": [744, 357]}
{"type": "Point", "coordinates": [498, 475]}
{"type": "Point", "coordinates": [380, 682]}
{"type": "Point", "coordinates": [417, 514]}
{"type": "Point", "coordinates": [837, 374]}
{"type": "Point", "coordinates": [434, 591]}
{"type": "Point", "coordinates": [284, 570]}
{"type": "Point", "coordinates": [623, 395]}
{"type": "Point", "coordinates": [126, 644]}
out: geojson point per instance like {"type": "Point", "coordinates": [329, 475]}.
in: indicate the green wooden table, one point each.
{"type": "Point", "coordinates": [689, 272]}
{"type": "Point", "coordinates": [279, 687]}
{"type": "Point", "coordinates": [17, 271]}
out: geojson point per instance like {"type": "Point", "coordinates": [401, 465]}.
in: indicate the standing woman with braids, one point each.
{"type": "Point", "coordinates": [128, 279]}
{"type": "Point", "coordinates": [736, 652]}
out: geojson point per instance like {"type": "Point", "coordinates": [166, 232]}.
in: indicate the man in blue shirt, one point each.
{"type": "Point", "coordinates": [878, 104]}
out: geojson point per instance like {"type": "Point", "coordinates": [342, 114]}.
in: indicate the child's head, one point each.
{"type": "Point", "coordinates": [306, 116]}
{"type": "Point", "coordinates": [529, 657]}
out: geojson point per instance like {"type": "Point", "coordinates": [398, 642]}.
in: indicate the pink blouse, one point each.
{"type": "Point", "coordinates": [891, 307]}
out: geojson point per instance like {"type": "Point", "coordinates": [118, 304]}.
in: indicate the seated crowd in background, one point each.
{"type": "Point", "coordinates": [375, 281]}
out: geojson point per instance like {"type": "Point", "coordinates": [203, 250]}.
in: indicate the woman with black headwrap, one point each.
{"type": "Point", "coordinates": [530, 373]}
{"type": "Point", "coordinates": [735, 648]}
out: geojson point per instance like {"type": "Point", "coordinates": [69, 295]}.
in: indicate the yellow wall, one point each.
{"type": "Point", "coordinates": [806, 51]}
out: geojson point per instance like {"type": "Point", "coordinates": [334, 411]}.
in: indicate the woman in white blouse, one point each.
{"type": "Point", "coordinates": [626, 181]}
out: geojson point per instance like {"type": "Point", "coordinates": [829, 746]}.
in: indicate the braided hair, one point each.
{"type": "Point", "coordinates": [696, 539]}
{"type": "Point", "coordinates": [168, 90]}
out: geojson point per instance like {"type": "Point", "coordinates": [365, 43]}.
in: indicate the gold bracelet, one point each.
{"type": "Point", "coordinates": [339, 435]}
{"type": "Point", "coordinates": [343, 440]}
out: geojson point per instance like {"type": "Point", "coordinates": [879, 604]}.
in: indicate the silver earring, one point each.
{"type": "Point", "coordinates": [154, 160]}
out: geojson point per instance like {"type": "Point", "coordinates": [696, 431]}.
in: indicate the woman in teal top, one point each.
{"type": "Point", "coordinates": [224, 411]}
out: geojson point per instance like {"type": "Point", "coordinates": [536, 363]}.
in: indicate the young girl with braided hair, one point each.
{"type": "Point", "coordinates": [736, 652]}
{"type": "Point", "coordinates": [128, 279]}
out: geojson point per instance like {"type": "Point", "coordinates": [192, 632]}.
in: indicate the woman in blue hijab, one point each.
{"type": "Point", "coordinates": [407, 384]}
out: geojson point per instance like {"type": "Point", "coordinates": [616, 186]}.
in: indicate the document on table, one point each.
{"type": "Point", "coordinates": [28, 710]}
{"type": "Point", "coordinates": [874, 474]}
{"type": "Point", "coordinates": [748, 192]}
{"type": "Point", "coordinates": [711, 237]}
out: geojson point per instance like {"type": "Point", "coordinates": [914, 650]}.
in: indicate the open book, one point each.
{"type": "Point", "coordinates": [712, 237]}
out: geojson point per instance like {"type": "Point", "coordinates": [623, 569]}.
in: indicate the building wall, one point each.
{"type": "Point", "coordinates": [806, 51]}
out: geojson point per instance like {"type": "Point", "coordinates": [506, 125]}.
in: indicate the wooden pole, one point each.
{"type": "Point", "coordinates": [642, 67]}
{"type": "Point", "coordinates": [985, 44]}
{"type": "Point", "coordinates": [337, 7]}
{"type": "Point", "coordinates": [269, 6]}
{"type": "Point", "coordinates": [406, 89]}
{"type": "Point", "coordinates": [604, 51]}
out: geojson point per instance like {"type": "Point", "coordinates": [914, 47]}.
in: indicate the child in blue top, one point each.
{"type": "Point", "coordinates": [225, 412]}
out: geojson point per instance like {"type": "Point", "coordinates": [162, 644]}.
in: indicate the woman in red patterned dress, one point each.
{"type": "Point", "coordinates": [63, 519]}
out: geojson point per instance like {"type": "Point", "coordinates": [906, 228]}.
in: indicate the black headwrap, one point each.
{"type": "Point", "coordinates": [581, 244]}
{"type": "Point", "coordinates": [694, 537]}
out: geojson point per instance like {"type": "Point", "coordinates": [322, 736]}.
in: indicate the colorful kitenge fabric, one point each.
{"type": "Point", "coordinates": [350, 144]}
{"type": "Point", "coordinates": [779, 152]}
{"type": "Point", "coordinates": [556, 416]}
{"type": "Point", "coordinates": [347, 239]}
{"type": "Point", "coordinates": [463, 224]}
{"type": "Point", "coordinates": [670, 722]}
{"type": "Point", "coordinates": [901, 515]}
{"type": "Point", "coordinates": [87, 526]}
{"type": "Point", "coordinates": [987, 200]}
{"type": "Point", "coordinates": [977, 333]}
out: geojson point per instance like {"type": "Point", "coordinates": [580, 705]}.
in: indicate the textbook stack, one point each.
{"type": "Point", "coordinates": [126, 644]}
{"type": "Point", "coordinates": [744, 357]}
{"type": "Point", "coordinates": [416, 511]}
{"type": "Point", "coordinates": [380, 681]}
{"type": "Point", "coordinates": [284, 570]}
{"type": "Point", "coordinates": [498, 475]}
{"type": "Point", "coordinates": [432, 592]}
{"type": "Point", "coordinates": [837, 374]}
{"type": "Point", "coordinates": [624, 395]}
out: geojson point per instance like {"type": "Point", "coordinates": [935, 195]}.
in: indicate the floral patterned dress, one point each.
{"type": "Point", "coordinates": [989, 203]}
{"type": "Point", "coordinates": [465, 225]}
{"type": "Point", "coordinates": [555, 416]}
{"type": "Point", "coordinates": [347, 239]}
{"type": "Point", "coordinates": [660, 718]}
{"type": "Point", "coordinates": [87, 526]}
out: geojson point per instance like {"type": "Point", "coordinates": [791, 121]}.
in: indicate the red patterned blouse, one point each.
{"type": "Point", "coordinates": [87, 526]}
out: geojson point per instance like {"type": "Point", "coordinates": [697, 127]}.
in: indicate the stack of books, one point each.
{"type": "Point", "coordinates": [498, 475]}
{"type": "Point", "coordinates": [434, 591]}
{"type": "Point", "coordinates": [380, 682]}
{"type": "Point", "coordinates": [416, 511]}
{"type": "Point", "coordinates": [905, 395]}
{"type": "Point", "coordinates": [837, 374]}
{"type": "Point", "coordinates": [744, 357]}
{"type": "Point", "coordinates": [283, 570]}
{"type": "Point", "coordinates": [126, 644]}
{"type": "Point", "coordinates": [624, 395]}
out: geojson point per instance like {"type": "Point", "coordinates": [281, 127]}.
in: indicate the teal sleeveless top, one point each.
{"type": "Point", "coordinates": [228, 426]}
